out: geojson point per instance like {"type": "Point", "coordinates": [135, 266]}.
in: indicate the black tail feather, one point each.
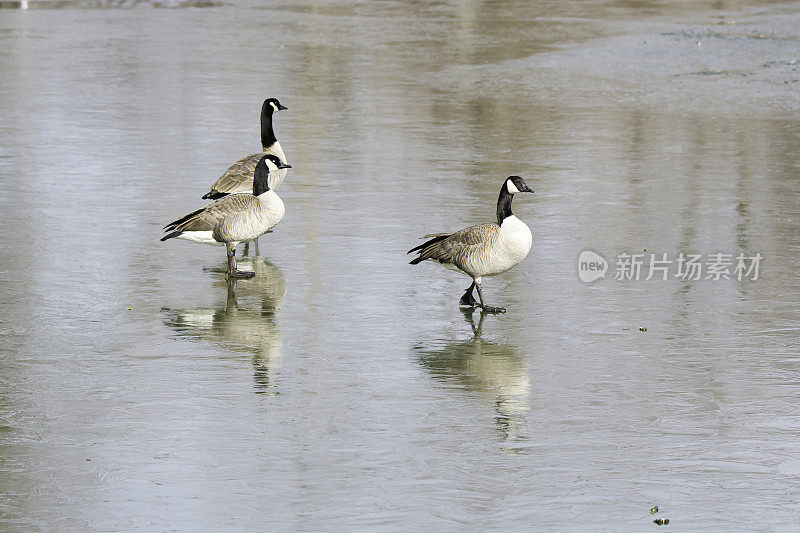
{"type": "Point", "coordinates": [426, 243]}
{"type": "Point", "coordinates": [414, 249]}
{"type": "Point", "coordinates": [214, 195]}
{"type": "Point", "coordinates": [421, 248]}
{"type": "Point", "coordinates": [171, 235]}
{"type": "Point", "coordinates": [184, 218]}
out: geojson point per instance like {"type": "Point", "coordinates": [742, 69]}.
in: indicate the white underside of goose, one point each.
{"type": "Point", "coordinates": [512, 244]}
{"type": "Point", "coordinates": [202, 237]}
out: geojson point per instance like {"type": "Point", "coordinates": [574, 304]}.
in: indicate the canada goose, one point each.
{"type": "Point", "coordinates": [235, 218]}
{"type": "Point", "coordinates": [485, 249]}
{"type": "Point", "coordinates": [239, 176]}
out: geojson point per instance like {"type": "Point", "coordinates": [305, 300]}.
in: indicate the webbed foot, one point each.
{"type": "Point", "coordinates": [468, 300]}
{"type": "Point", "coordinates": [490, 309]}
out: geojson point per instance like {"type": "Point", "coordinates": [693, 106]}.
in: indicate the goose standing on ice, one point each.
{"type": "Point", "coordinates": [235, 218]}
{"type": "Point", "coordinates": [485, 249]}
{"type": "Point", "coordinates": [239, 176]}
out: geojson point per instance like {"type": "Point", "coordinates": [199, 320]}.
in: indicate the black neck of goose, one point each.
{"type": "Point", "coordinates": [260, 179]}
{"type": "Point", "coordinates": [267, 134]}
{"type": "Point", "coordinates": [504, 205]}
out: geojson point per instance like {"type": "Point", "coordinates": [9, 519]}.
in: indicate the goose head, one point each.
{"type": "Point", "coordinates": [271, 105]}
{"type": "Point", "coordinates": [268, 163]}
{"type": "Point", "coordinates": [515, 184]}
{"type": "Point", "coordinates": [511, 186]}
{"type": "Point", "coordinates": [272, 162]}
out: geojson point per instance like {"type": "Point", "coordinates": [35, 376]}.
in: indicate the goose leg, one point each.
{"type": "Point", "coordinates": [246, 249]}
{"type": "Point", "coordinates": [255, 247]}
{"type": "Point", "coordinates": [232, 271]}
{"type": "Point", "coordinates": [487, 308]}
{"type": "Point", "coordinates": [468, 299]}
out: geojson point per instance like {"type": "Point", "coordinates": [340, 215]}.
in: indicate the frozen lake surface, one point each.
{"type": "Point", "coordinates": [341, 388]}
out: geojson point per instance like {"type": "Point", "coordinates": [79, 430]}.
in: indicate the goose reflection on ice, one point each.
{"type": "Point", "coordinates": [494, 370]}
{"type": "Point", "coordinates": [246, 323]}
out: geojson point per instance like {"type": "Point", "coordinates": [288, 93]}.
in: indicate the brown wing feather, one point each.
{"type": "Point", "coordinates": [208, 217]}
{"type": "Point", "coordinates": [455, 248]}
{"type": "Point", "coordinates": [238, 177]}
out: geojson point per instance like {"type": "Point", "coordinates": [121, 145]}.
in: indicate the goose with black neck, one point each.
{"type": "Point", "coordinates": [484, 249]}
{"type": "Point", "coordinates": [235, 218]}
{"type": "Point", "coordinates": [239, 176]}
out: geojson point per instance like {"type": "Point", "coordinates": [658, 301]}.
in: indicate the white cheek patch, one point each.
{"type": "Point", "coordinates": [511, 187]}
{"type": "Point", "coordinates": [274, 107]}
